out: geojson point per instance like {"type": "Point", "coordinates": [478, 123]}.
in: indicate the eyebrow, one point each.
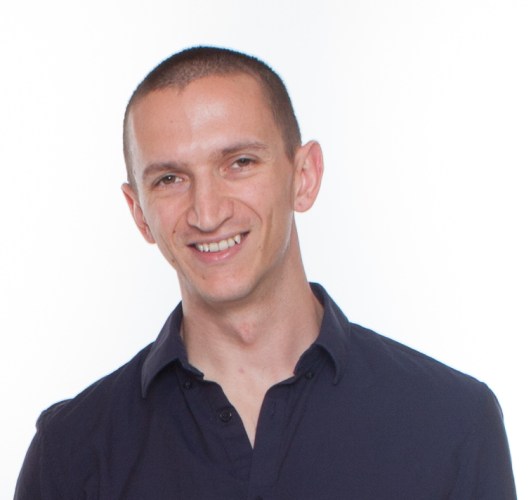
{"type": "Point", "coordinates": [235, 148]}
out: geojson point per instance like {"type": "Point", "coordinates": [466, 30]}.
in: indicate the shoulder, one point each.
{"type": "Point", "coordinates": [63, 450]}
{"type": "Point", "coordinates": [115, 391]}
{"type": "Point", "coordinates": [367, 358]}
{"type": "Point", "coordinates": [421, 398]}
{"type": "Point", "coordinates": [414, 377]}
{"type": "Point", "coordinates": [387, 355]}
{"type": "Point", "coordinates": [448, 420]}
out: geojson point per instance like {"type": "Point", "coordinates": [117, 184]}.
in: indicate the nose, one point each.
{"type": "Point", "coordinates": [210, 206]}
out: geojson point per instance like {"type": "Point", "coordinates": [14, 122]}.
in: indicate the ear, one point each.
{"type": "Point", "coordinates": [308, 174]}
{"type": "Point", "coordinates": [136, 211]}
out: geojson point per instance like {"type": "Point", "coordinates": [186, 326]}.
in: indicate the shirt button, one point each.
{"type": "Point", "coordinates": [309, 374]}
{"type": "Point", "coordinates": [226, 414]}
{"type": "Point", "coordinates": [187, 384]}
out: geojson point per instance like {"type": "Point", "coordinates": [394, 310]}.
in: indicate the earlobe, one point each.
{"type": "Point", "coordinates": [309, 172]}
{"type": "Point", "coordinates": [136, 211]}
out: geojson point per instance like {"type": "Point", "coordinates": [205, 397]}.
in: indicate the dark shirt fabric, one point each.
{"type": "Point", "coordinates": [363, 417]}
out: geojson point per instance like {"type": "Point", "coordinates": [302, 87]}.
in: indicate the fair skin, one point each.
{"type": "Point", "coordinates": [217, 193]}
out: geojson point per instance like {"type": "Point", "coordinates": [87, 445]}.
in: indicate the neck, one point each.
{"type": "Point", "coordinates": [267, 335]}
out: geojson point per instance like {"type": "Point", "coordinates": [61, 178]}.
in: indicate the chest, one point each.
{"type": "Point", "coordinates": [314, 440]}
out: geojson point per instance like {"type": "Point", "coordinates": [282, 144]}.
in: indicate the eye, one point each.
{"type": "Point", "coordinates": [242, 163]}
{"type": "Point", "coordinates": [169, 179]}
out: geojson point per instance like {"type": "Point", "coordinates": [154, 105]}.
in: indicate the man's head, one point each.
{"type": "Point", "coordinates": [182, 68]}
{"type": "Point", "coordinates": [216, 187]}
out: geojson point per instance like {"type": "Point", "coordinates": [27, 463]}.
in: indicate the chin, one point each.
{"type": "Point", "coordinates": [222, 292]}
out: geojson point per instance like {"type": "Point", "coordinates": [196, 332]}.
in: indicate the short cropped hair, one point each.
{"type": "Point", "coordinates": [191, 64]}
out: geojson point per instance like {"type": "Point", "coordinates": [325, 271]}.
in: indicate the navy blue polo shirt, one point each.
{"type": "Point", "coordinates": [363, 417]}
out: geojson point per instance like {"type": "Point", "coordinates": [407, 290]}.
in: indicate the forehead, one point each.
{"type": "Point", "coordinates": [234, 90]}
{"type": "Point", "coordinates": [211, 108]}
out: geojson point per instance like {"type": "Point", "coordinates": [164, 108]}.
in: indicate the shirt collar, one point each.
{"type": "Point", "coordinates": [334, 331]}
{"type": "Point", "coordinates": [169, 347]}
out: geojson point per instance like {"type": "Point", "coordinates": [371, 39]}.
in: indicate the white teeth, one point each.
{"type": "Point", "coordinates": [219, 246]}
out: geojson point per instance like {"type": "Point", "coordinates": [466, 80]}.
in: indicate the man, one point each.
{"type": "Point", "coordinates": [257, 386]}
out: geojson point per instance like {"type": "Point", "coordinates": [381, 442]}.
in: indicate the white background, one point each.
{"type": "Point", "coordinates": [422, 229]}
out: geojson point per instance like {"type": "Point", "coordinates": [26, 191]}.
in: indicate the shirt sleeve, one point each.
{"type": "Point", "coordinates": [485, 470]}
{"type": "Point", "coordinates": [37, 479]}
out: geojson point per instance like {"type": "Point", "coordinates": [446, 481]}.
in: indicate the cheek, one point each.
{"type": "Point", "coordinates": [274, 192]}
{"type": "Point", "coordinates": [164, 220]}
{"type": "Point", "coordinates": [273, 205]}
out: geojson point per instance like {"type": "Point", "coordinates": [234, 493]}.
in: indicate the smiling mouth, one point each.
{"type": "Point", "coordinates": [219, 246]}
